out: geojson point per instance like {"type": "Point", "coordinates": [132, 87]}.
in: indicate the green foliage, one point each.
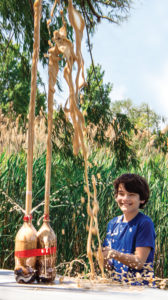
{"type": "Point", "coordinates": [17, 19]}
{"type": "Point", "coordinates": [123, 151]}
{"type": "Point", "coordinates": [155, 170]}
{"type": "Point", "coordinates": [15, 78]}
{"type": "Point", "coordinates": [161, 141]}
{"type": "Point", "coordinates": [66, 210]}
{"type": "Point", "coordinates": [15, 81]}
{"type": "Point", "coordinates": [14, 168]}
{"type": "Point", "coordinates": [62, 134]}
{"type": "Point", "coordinates": [96, 100]}
{"type": "Point", "coordinates": [141, 116]}
{"type": "Point", "coordinates": [95, 103]}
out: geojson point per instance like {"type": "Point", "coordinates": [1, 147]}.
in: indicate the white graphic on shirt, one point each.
{"type": "Point", "coordinates": [115, 232]}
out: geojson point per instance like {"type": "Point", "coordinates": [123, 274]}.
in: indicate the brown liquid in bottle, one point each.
{"type": "Point", "coordinates": [46, 270]}
{"type": "Point", "coordinates": [25, 267]}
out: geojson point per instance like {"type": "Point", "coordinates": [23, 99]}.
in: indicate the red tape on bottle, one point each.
{"type": "Point", "coordinates": [35, 252]}
{"type": "Point", "coordinates": [27, 218]}
{"type": "Point", "coordinates": [46, 217]}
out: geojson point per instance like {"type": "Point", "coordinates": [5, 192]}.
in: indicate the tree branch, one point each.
{"type": "Point", "coordinates": [109, 19]}
{"type": "Point", "coordinates": [31, 8]}
{"type": "Point", "coordinates": [89, 44]}
{"type": "Point", "coordinates": [9, 40]}
{"type": "Point", "coordinates": [99, 17]}
{"type": "Point", "coordinates": [93, 10]}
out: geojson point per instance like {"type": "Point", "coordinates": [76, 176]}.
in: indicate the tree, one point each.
{"type": "Point", "coordinates": [106, 128]}
{"type": "Point", "coordinates": [95, 104]}
{"type": "Point", "coordinates": [15, 80]}
{"type": "Point", "coordinates": [142, 116]}
{"type": "Point", "coordinates": [96, 98]}
{"type": "Point", "coordinates": [17, 19]}
{"type": "Point", "coordinates": [148, 126]}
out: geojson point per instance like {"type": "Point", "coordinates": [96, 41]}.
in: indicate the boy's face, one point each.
{"type": "Point", "coordinates": [128, 202]}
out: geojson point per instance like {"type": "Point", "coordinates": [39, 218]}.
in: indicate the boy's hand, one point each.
{"type": "Point", "coordinates": [105, 251]}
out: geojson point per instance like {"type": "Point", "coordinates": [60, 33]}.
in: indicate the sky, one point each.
{"type": "Point", "coordinates": [134, 56]}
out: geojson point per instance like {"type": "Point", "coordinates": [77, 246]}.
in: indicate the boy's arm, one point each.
{"type": "Point", "coordinates": [135, 261]}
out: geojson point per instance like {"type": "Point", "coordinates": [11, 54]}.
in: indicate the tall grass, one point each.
{"type": "Point", "coordinates": [67, 213]}
{"type": "Point", "coordinates": [14, 133]}
{"type": "Point", "coordinates": [156, 171]}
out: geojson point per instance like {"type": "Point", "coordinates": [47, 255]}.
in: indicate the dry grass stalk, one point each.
{"type": "Point", "coordinates": [13, 135]}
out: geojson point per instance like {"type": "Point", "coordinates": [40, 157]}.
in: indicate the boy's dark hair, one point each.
{"type": "Point", "coordinates": [135, 184]}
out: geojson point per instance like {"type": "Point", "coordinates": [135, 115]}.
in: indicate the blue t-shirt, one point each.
{"type": "Point", "coordinates": [126, 236]}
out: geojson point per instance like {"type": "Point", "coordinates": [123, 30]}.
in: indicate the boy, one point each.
{"type": "Point", "coordinates": [129, 245]}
